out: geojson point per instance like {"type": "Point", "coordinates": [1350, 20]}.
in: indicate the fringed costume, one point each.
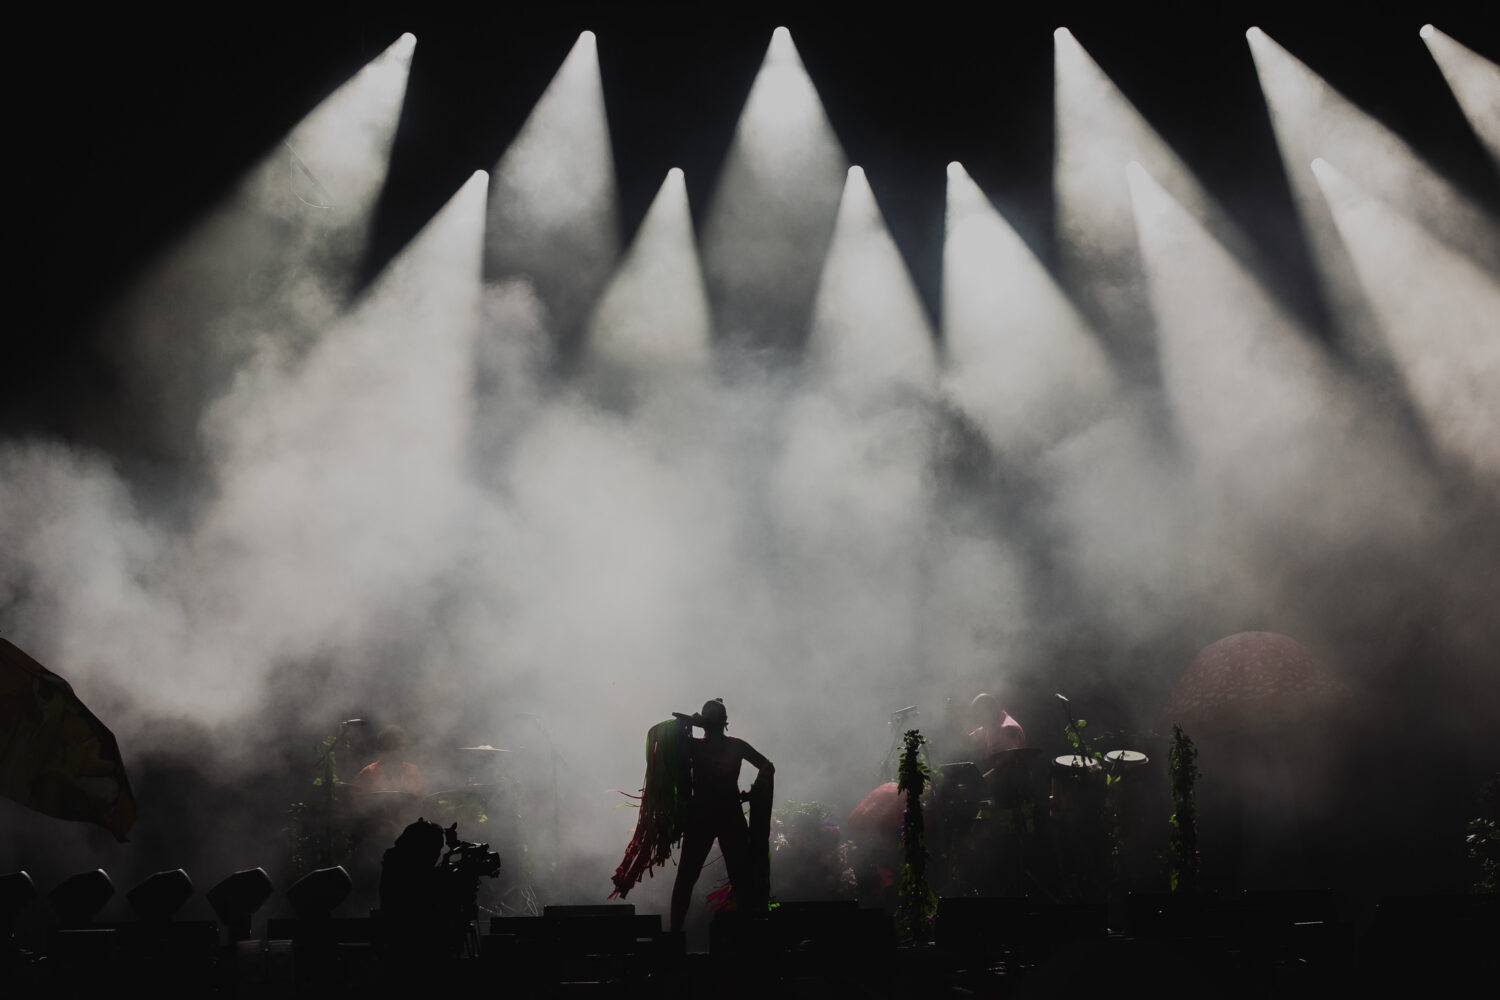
{"type": "Point", "coordinates": [666, 802]}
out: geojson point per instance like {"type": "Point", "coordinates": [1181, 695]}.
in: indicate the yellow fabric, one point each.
{"type": "Point", "coordinates": [55, 756]}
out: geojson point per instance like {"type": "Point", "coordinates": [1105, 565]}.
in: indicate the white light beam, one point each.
{"type": "Point", "coordinates": [652, 323]}
{"type": "Point", "coordinates": [1475, 82]}
{"type": "Point", "coordinates": [554, 207]}
{"type": "Point", "coordinates": [869, 332]}
{"type": "Point", "coordinates": [771, 216]}
{"type": "Point", "coordinates": [1021, 360]}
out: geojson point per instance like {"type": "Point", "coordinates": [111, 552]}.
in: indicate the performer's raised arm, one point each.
{"type": "Point", "coordinates": [756, 759]}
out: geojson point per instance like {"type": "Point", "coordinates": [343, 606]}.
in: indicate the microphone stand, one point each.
{"type": "Point", "coordinates": [556, 756]}
{"type": "Point", "coordinates": [893, 753]}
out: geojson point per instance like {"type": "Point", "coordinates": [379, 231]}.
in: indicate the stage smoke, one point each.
{"type": "Point", "coordinates": [1098, 132]}
{"type": "Point", "coordinates": [1312, 119]}
{"type": "Point", "coordinates": [1021, 361]}
{"type": "Point", "coordinates": [554, 208]}
{"type": "Point", "coordinates": [1475, 82]}
{"type": "Point", "coordinates": [768, 225]}
{"type": "Point", "coordinates": [278, 254]}
{"type": "Point", "coordinates": [1438, 311]}
{"type": "Point", "coordinates": [652, 325]}
{"type": "Point", "coordinates": [868, 327]}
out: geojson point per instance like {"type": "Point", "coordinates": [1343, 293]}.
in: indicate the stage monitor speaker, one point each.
{"type": "Point", "coordinates": [160, 896]}
{"type": "Point", "coordinates": [77, 898]}
{"type": "Point", "coordinates": [16, 893]}
{"type": "Point", "coordinates": [236, 898]}
{"type": "Point", "coordinates": [316, 894]}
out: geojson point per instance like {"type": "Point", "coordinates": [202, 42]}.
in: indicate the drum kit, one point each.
{"type": "Point", "coordinates": [466, 802]}
{"type": "Point", "coordinates": [1010, 778]}
{"type": "Point", "coordinates": [1007, 820]}
{"type": "Point", "coordinates": [468, 805]}
{"type": "Point", "coordinates": [1115, 764]}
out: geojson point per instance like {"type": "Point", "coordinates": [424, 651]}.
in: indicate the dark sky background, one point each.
{"type": "Point", "coordinates": [132, 122]}
{"type": "Point", "coordinates": [128, 124]}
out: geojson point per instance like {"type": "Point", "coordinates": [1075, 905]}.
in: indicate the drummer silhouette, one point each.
{"type": "Point", "coordinates": [391, 771]}
{"type": "Point", "coordinates": [715, 813]}
{"type": "Point", "coordinates": [996, 730]}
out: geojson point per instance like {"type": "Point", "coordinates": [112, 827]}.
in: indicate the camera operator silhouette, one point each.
{"type": "Point", "coordinates": [427, 898]}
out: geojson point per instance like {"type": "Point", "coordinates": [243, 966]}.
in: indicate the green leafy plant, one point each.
{"type": "Point", "coordinates": [1182, 842]}
{"type": "Point", "coordinates": [915, 902]}
{"type": "Point", "coordinates": [1093, 815]}
{"type": "Point", "coordinates": [1482, 836]}
{"type": "Point", "coordinates": [312, 830]}
{"type": "Point", "coordinates": [1088, 757]}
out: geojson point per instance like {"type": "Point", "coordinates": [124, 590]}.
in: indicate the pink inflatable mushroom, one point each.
{"type": "Point", "coordinates": [1252, 681]}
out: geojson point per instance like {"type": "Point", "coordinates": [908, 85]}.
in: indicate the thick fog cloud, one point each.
{"type": "Point", "coordinates": [401, 507]}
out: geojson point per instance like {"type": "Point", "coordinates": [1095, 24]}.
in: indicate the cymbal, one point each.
{"type": "Point", "coordinates": [487, 749]}
{"type": "Point", "coordinates": [1126, 759]}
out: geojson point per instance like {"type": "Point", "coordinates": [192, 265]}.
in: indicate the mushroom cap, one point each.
{"type": "Point", "coordinates": [879, 812]}
{"type": "Point", "coordinates": [1252, 680]}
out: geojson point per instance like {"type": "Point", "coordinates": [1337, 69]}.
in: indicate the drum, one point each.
{"type": "Point", "coordinates": [959, 782]}
{"type": "Point", "coordinates": [1125, 761]}
{"type": "Point", "coordinates": [1017, 777]}
{"type": "Point", "coordinates": [1077, 785]}
{"type": "Point", "coordinates": [1070, 763]}
{"type": "Point", "coordinates": [393, 808]}
{"type": "Point", "coordinates": [958, 794]}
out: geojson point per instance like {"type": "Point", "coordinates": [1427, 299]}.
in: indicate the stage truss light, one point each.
{"type": "Point", "coordinates": [554, 205]}
{"type": "Point", "coordinates": [1098, 131]}
{"type": "Point", "coordinates": [1020, 360]}
{"type": "Point", "coordinates": [1436, 311]}
{"type": "Point", "coordinates": [1475, 82]}
{"type": "Point", "coordinates": [1312, 119]}
{"type": "Point", "coordinates": [771, 216]}
{"type": "Point", "coordinates": [652, 324]}
{"type": "Point", "coordinates": [869, 331]}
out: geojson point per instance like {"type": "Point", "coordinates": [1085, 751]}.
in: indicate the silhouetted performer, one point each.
{"type": "Point", "coordinates": [715, 811]}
